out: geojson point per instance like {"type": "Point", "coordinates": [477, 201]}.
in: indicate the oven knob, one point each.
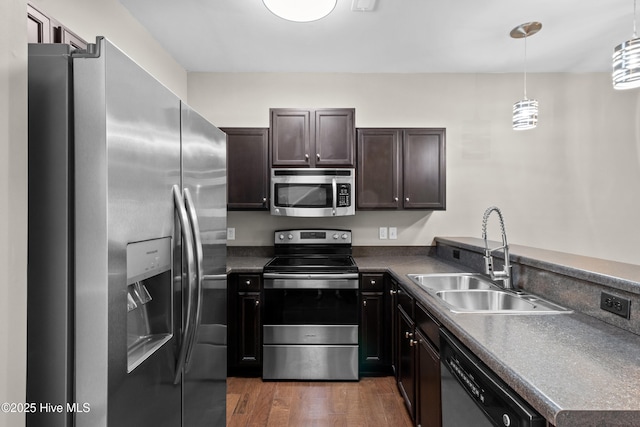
{"type": "Point", "coordinates": [290, 236]}
{"type": "Point", "coordinates": [281, 237]}
{"type": "Point", "coordinates": [344, 236]}
{"type": "Point", "coordinates": [335, 236]}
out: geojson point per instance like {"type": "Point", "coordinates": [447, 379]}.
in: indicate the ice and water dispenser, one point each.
{"type": "Point", "coordinates": [149, 299]}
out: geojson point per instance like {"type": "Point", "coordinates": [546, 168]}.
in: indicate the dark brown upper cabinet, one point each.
{"type": "Point", "coordinates": [38, 26]}
{"type": "Point", "coordinates": [247, 168]}
{"type": "Point", "coordinates": [322, 137]}
{"type": "Point", "coordinates": [401, 168]}
{"type": "Point", "coordinates": [44, 29]}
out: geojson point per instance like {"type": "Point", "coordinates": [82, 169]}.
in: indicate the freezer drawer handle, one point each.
{"type": "Point", "coordinates": [191, 277]}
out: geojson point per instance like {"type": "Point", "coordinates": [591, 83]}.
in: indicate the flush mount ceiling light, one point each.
{"type": "Point", "coordinates": [626, 61]}
{"type": "Point", "coordinates": [300, 10]}
{"type": "Point", "coordinates": [525, 112]}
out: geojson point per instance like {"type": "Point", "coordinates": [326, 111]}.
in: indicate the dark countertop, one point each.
{"type": "Point", "coordinates": [574, 369]}
{"type": "Point", "coordinates": [246, 264]}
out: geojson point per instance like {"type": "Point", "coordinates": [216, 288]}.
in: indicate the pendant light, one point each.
{"type": "Point", "coordinates": [299, 10]}
{"type": "Point", "coordinates": [626, 61]}
{"type": "Point", "coordinates": [525, 112]}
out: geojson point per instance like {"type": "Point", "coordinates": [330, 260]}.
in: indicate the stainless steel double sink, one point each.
{"type": "Point", "coordinates": [474, 293]}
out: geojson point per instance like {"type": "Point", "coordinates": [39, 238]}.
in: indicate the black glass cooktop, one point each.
{"type": "Point", "coordinates": [340, 263]}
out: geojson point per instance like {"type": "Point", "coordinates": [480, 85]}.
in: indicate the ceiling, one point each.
{"type": "Point", "coordinates": [398, 36]}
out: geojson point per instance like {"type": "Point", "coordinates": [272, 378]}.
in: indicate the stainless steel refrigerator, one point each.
{"type": "Point", "coordinates": [127, 247]}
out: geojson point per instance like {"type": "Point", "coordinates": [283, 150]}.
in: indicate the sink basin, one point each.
{"type": "Point", "coordinates": [497, 301]}
{"type": "Point", "coordinates": [451, 281]}
{"type": "Point", "coordinates": [474, 293]}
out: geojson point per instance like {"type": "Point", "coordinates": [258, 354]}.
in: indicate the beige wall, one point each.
{"type": "Point", "coordinates": [87, 18]}
{"type": "Point", "coordinates": [13, 205]}
{"type": "Point", "coordinates": [572, 184]}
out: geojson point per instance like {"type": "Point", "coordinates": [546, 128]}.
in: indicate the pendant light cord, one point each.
{"type": "Point", "coordinates": [635, 33]}
{"type": "Point", "coordinates": [525, 66]}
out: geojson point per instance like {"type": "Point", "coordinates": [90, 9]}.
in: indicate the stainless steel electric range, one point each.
{"type": "Point", "coordinates": [311, 301]}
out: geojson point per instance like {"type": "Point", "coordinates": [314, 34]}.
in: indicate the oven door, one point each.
{"type": "Point", "coordinates": [310, 328]}
{"type": "Point", "coordinates": [307, 299]}
{"type": "Point", "coordinates": [312, 192]}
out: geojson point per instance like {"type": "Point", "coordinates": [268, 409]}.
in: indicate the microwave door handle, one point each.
{"type": "Point", "coordinates": [334, 187]}
{"type": "Point", "coordinates": [191, 277]}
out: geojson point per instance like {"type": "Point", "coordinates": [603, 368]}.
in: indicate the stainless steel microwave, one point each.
{"type": "Point", "coordinates": [312, 192]}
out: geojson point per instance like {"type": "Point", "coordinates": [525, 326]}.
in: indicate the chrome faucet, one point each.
{"type": "Point", "coordinates": [505, 274]}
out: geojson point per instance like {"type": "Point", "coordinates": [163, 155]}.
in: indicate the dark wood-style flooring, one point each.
{"type": "Point", "coordinates": [371, 402]}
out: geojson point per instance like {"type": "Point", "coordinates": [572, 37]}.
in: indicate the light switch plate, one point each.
{"type": "Point", "coordinates": [382, 233]}
{"type": "Point", "coordinates": [231, 233]}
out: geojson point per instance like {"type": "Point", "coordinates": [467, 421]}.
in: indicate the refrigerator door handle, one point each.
{"type": "Point", "coordinates": [191, 277]}
{"type": "Point", "coordinates": [195, 231]}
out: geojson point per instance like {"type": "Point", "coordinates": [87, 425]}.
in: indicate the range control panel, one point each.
{"type": "Point", "coordinates": [312, 237]}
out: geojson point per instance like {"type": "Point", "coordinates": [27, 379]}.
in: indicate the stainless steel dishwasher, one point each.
{"type": "Point", "coordinates": [473, 396]}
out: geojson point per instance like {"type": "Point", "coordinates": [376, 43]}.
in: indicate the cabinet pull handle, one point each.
{"type": "Point", "coordinates": [364, 303]}
{"type": "Point", "coordinates": [395, 199]}
{"type": "Point", "coordinates": [373, 282]}
{"type": "Point", "coordinates": [306, 157]}
{"type": "Point", "coordinates": [408, 334]}
{"type": "Point", "coordinates": [407, 199]}
{"type": "Point", "coordinates": [392, 292]}
{"type": "Point", "coordinates": [257, 303]}
{"type": "Point", "coordinates": [412, 343]}
{"type": "Point", "coordinates": [318, 156]}
{"type": "Point", "coordinates": [248, 283]}
{"type": "Point", "coordinates": [264, 200]}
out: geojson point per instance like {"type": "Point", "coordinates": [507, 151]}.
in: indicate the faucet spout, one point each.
{"type": "Point", "coordinates": [505, 274]}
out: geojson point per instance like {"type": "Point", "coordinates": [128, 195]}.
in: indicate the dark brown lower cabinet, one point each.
{"type": "Point", "coordinates": [418, 359]}
{"type": "Point", "coordinates": [372, 344]}
{"type": "Point", "coordinates": [244, 350]}
{"type": "Point", "coordinates": [375, 331]}
{"type": "Point", "coordinates": [406, 375]}
{"type": "Point", "coordinates": [428, 412]}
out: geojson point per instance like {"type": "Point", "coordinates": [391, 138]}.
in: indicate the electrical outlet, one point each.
{"type": "Point", "coordinates": [382, 233]}
{"type": "Point", "coordinates": [231, 233]}
{"type": "Point", "coordinates": [393, 233]}
{"type": "Point", "coordinates": [615, 304]}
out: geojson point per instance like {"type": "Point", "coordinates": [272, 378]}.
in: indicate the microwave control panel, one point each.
{"type": "Point", "coordinates": [344, 195]}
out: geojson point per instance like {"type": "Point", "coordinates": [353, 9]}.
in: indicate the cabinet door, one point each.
{"type": "Point", "coordinates": [378, 169]}
{"type": "Point", "coordinates": [38, 26]}
{"type": "Point", "coordinates": [250, 336]}
{"type": "Point", "coordinates": [392, 307]}
{"type": "Point", "coordinates": [44, 29]}
{"type": "Point", "coordinates": [428, 412]}
{"type": "Point", "coordinates": [247, 168]}
{"type": "Point", "coordinates": [63, 35]}
{"type": "Point", "coordinates": [424, 168]}
{"type": "Point", "coordinates": [406, 361]}
{"type": "Point", "coordinates": [334, 137]}
{"type": "Point", "coordinates": [291, 137]}
{"type": "Point", "coordinates": [372, 345]}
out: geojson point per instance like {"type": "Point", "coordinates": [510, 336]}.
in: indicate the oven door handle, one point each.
{"type": "Point", "coordinates": [303, 276]}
